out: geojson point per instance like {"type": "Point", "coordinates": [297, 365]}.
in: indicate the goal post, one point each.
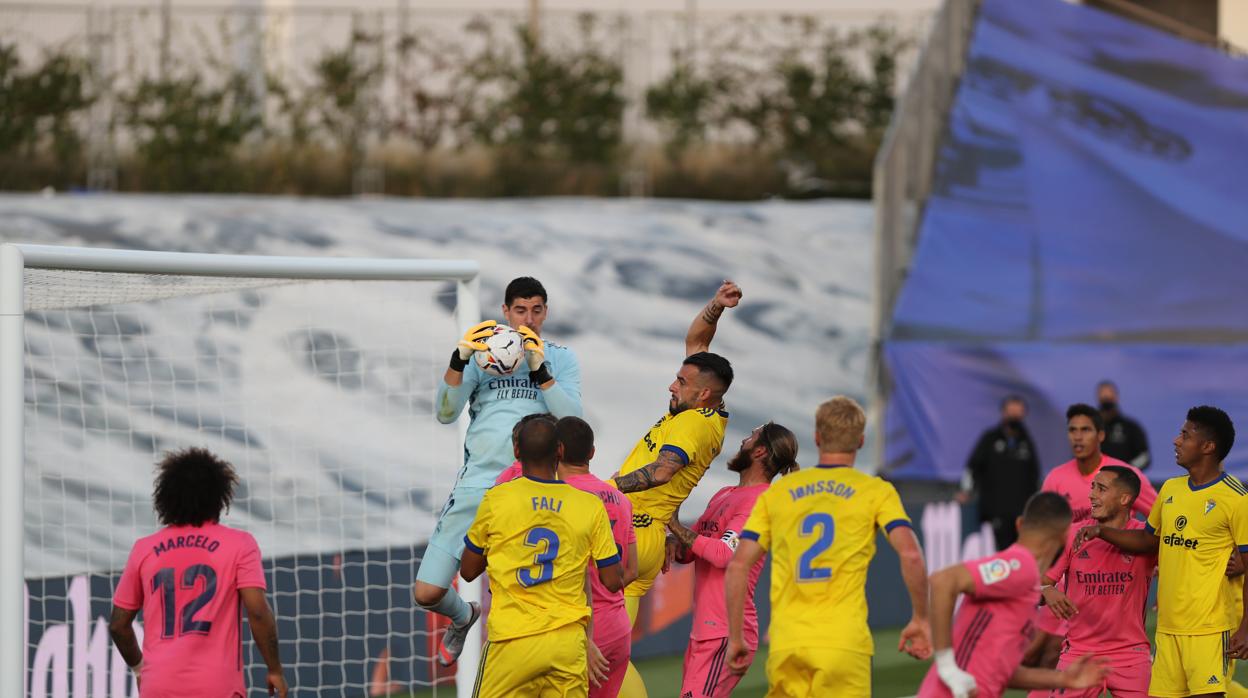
{"type": "Point", "coordinates": [50, 301]}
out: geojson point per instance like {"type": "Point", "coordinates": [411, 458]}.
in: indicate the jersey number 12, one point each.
{"type": "Point", "coordinates": [164, 584]}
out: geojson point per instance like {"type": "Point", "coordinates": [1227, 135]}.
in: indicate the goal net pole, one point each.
{"type": "Point", "coordinates": [12, 512]}
{"type": "Point", "coordinates": [16, 258]}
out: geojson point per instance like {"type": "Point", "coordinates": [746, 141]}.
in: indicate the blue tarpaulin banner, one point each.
{"type": "Point", "coordinates": [1088, 221]}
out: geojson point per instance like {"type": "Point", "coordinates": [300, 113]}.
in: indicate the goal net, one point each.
{"type": "Point", "coordinates": [315, 378]}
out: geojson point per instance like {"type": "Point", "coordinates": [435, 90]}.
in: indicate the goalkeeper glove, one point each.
{"type": "Point", "coordinates": [472, 342]}
{"type": "Point", "coordinates": [960, 683]}
{"type": "Point", "coordinates": [535, 355]}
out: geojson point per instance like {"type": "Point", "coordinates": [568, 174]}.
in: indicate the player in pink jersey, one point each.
{"type": "Point", "coordinates": [1085, 428]}
{"type": "Point", "coordinates": [768, 451]}
{"type": "Point", "coordinates": [980, 651]}
{"type": "Point", "coordinates": [188, 579]}
{"type": "Point", "coordinates": [612, 630]}
{"type": "Point", "coordinates": [1103, 593]}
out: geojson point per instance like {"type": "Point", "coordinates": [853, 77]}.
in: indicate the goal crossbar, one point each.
{"type": "Point", "coordinates": [16, 258]}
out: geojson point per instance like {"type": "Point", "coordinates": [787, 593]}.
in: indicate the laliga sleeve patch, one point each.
{"type": "Point", "coordinates": [730, 539]}
{"type": "Point", "coordinates": [994, 571]}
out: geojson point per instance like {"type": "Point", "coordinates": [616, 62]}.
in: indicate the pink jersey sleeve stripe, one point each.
{"type": "Point", "coordinates": [888, 528]}
{"type": "Point", "coordinates": [684, 457]}
{"type": "Point", "coordinates": [607, 562]}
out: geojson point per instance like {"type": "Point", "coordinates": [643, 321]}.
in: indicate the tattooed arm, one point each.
{"type": "Point", "coordinates": [702, 331]}
{"type": "Point", "coordinates": [660, 472]}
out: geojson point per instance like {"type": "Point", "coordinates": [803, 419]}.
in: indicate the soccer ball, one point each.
{"type": "Point", "coordinates": [504, 352]}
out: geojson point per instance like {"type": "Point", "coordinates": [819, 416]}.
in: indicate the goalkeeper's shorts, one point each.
{"type": "Point", "coordinates": [441, 561]}
{"type": "Point", "coordinates": [651, 546]}
{"type": "Point", "coordinates": [550, 663]}
{"type": "Point", "coordinates": [818, 671]}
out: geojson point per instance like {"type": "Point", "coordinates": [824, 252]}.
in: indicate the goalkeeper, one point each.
{"type": "Point", "coordinates": [548, 381]}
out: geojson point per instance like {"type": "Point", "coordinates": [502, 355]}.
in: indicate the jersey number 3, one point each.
{"type": "Point", "coordinates": [544, 559]}
{"type": "Point", "coordinates": [806, 571]}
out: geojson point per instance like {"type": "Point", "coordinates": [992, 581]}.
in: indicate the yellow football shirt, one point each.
{"type": "Point", "coordinates": [1198, 528]}
{"type": "Point", "coordinates": [695, 436]}
{"type": "Point", "coordinates": [819, 525]}
{"type": "Point", "coordinates": [537, 537]}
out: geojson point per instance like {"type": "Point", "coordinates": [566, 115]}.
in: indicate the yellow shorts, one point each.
{"type": "Point", "coordinates": [651, 546]}
{"type": "Point", "coordinates": [549, 664]}
{"type": "Point", "coordinates": [818, 671]}
{"type": "Point", "coordinates": [1188, 665]}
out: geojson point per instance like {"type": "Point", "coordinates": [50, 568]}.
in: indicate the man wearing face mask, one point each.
{"type": "Point", "coordinates": [1124, 437]}
{"type": "Point", "coordinates": [1003, 471]}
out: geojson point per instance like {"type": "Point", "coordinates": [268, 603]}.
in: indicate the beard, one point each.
{"type": "Point", "coordinates": [739, 462]}
{"type": "Point", "coordinates": [676, 408]}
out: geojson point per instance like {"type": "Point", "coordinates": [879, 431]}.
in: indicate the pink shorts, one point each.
{"type": "Point", "coordinates": [706, 672]}
{"type": "Point", "coordinates": [1124, 681]}
{"type": "Point", "coordinates": [613, 634]}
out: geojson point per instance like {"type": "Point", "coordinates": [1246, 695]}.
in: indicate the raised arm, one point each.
{"type": "Point", "coordinates": [562, 389]}
{"type": "Point", "coordinates": [453, 393]}
{"type": "Point", "coordinates": [916, 638]}
{"type": "Point", "coordinates": [660, 472]}
{"type": "Point", "coordinates": [264, 633]}
{"type": "Point", "coordinates": [702, 330]}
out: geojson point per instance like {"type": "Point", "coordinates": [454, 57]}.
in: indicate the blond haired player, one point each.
{"type": "Point", "coordinates": [820, 525]}
{"type": "Point", "coordinates": [670, 459]}
{"type": "Point", "coordinates": [536, 535]}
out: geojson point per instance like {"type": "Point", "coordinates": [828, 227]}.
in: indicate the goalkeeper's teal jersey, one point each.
{"type": "Point", "coordinates": [496, 403]}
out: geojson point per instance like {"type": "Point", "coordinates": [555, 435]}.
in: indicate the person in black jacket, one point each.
{"type": "Point", "coordinates": [1124, 437]}
{"type": "Point", "coordinates": [1003, 471]}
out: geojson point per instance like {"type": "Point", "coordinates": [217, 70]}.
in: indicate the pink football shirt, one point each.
{"type": "Point", "coordinates": [186, 581]}
{"type": "Point", "coordinates": [620, 513]}
{"type": "Point", "coordinates": [509, 473]}
{"type": "Point", "coordinates": [1110, 589]}
{"type": "Point", "coordinates": [1067, 481]}
{"type": "Point", "coordinates": [993, 626]}
{"type": "Point", "coordinates": [718, 530]}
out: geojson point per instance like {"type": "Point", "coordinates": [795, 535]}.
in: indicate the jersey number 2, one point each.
{"type": "Point", "coordinates": [806, 571]}
{"type": "Point", "coordinates": [544, 559]}
{"type": "Point", "coordinates": [163, 583]}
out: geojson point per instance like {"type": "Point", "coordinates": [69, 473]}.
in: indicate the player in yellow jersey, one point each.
{"type": "Point", "coordinates": [670, 459]}
{"type": "Point", "coordinates": [820, 525]}
{"type": "Point", "coordinates": [1197, 522]}
{"type": "Point", "coordinates": [535, 535]}
{"type": "Point", "coordinates": [666, 463]}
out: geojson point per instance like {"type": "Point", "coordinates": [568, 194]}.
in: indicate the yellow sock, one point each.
{"type": "Point", "coordinates": [633, 686]}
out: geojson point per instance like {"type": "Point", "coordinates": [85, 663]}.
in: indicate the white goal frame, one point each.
{"type": "Point", "coordinates": [16, 258]}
